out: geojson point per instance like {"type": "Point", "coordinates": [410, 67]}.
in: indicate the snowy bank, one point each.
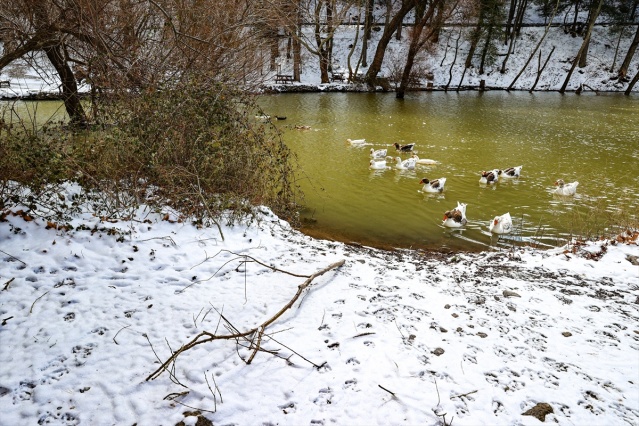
{"type": "Point", "coordinates": [402, 337]}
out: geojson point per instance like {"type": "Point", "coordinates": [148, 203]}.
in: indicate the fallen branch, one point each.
{"type": "Point", "coordinates": [206, 337]}
{"type": "Point", "coordinates": [463, 394]}
{"type": "Point", "coordinates": [382, 387]}
{"type": "Point", "coordinates": [13, 257]}
{"type": "Point", "coordinates": [6, 285]}
{"type": "Point", "coordinates": [116, 334]}
{"type": "Point", "coordinates": [34, 302]}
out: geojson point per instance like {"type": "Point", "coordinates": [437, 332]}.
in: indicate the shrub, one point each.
{"type": "Point", "coordinates": [195, 147]}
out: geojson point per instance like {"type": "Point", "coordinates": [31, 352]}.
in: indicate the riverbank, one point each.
{"type": "Point", "coordinates": [89, 314]}
{"type": "Point", "coordinates": [442, 66]}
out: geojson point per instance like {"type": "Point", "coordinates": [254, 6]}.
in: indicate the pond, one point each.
{"type": "Point", "coordinates": [592, 139]}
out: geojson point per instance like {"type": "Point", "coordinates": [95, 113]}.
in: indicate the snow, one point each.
{"type": "Point", "coordinates": [25, 82]}
{"type": "Point", "coordinates": [401, 337]}
{"type": "Point", "coordinates": [438, 62]}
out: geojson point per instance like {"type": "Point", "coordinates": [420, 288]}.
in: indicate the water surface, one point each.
{"type": "Point", "coordinates": [591, 139]}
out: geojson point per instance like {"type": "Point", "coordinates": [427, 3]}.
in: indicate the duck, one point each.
{"type": "Point", "coordinates": [566, 188]}
{"type": "Point", "coordinates": [436, 185]}
{"type": "Point", "coordinates": [424, 161]}
{"type": "Point", "coordinates": [356, 141]}
{"type": "Point", "coordinates": [490, 176]}
{"type": "Point", "coordinates": [512, 172]}
{"type": "Point", "coordinates": [404, 148]}
{"type": "Point", "coordinates": [456, 217]}
{"type": "Point", "coordinates": [377, 164]}
{"type": "Point", "coordinates": [377, 154]}
{"type": "Point", "coordinates": [501, 224]}
{"type": "Point", "coordinates": [408, 164]}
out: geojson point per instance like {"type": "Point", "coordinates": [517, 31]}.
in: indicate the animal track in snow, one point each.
{"type": "Point", "coordinates": [324, 398]}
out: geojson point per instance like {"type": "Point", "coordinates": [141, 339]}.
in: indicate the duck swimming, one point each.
{"type": "Point", "coordinates": [566, 188]}
{"type": "Point", "coordinates": [512, 172]}
{"type": "Point", "coordinates": [377, 164]}
{"type": "Point", "coordinates": [424, 161]}
{"type": "Point", "coordinates": [436, 185]}
{"type": "Point", "coordinates": [490, 177]}
{"type": "Point", "coordinates": [456, 217]}
{"type": "Point", "coordinates": [404, 148]}
{"type": "Point", "coordinates": [378, 154]}
{"type": "Point", "coordinates": [501, 224]}
{"type": "Point", "coordinates": [408, 164]}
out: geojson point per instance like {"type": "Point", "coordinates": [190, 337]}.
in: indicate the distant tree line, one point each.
{"type": "Point", "coordinates": [420, 23]}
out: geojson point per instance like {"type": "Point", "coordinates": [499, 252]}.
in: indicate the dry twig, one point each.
{"type": "Point", "coordinates": [206, 337]}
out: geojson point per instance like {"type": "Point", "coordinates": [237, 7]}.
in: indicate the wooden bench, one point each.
{"type": "Point", "coordinates": [284, 78]}
{"type": "Point", "coordinates": [338, 77]}
{"type": "Point", "coordinates": [5, 83]}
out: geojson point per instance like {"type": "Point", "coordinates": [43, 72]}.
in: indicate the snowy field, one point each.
{"type": "Point", "coordinates": [404, 337]}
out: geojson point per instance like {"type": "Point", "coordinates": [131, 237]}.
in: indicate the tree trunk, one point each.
{"type": "Point", "coordinates": [450, 70]}
{"type": "Point", "coordinates": [321, 45]}
{"type": "Point", "coordinates": [70, 94]}
{"type": "Point", "coordinates": [511, 16]}
{"type": "Point", "coordinates": [592, 17]}
{"type": "Point", "coordinates": [474, 39]}
{"type": "Point", "coordinates": [632, 84]}
{"type": "Point", "coordinates": [484, 52]}
{"type": "Point", "coordinates": [573, 31]}
{"type": "Point", "coordinates": [297, 45]}
{"type": "Point", "coordinates": [368, 23]}
{"type": "Point", "coordinates": [275, 50]}
{"type": "Point", "coordinates": [378, 59]}
{"type": "Point", "coordinates": [583, 46]}
{"type": "Point", "coordinates": [416, 43]}
{"type": "Point", "coordinates": [540, 69]}
{"type": "Point", "coordinates": [623, 70]}
{"type": "Point", "coordinates": [330, 6]}
{"type": "Point", "coordinates": [532, 54]}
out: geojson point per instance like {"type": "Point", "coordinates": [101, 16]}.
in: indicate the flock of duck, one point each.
{"type": "Point", "coordinates": [456, 217]}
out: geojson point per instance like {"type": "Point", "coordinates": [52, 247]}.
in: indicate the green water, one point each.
{"type": "Point", "coordinates": [40, 112]}
{"type": "Point", "coordinates": [591, 139]}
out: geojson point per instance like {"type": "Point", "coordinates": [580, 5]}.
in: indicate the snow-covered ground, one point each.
{"type": "Point", "coordinates": [404, 337]}
{"type": "Point", "coordinates": [440, 63]}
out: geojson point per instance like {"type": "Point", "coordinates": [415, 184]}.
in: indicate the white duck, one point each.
{"type": "Point", "coordinates": [378, 154]}
{"type": "Point", "coordinates": [512, 172]}
{"type": "Point", "coordinates": [436, 185]}
{"type": "Point", "coordinates": [566, 188]}
{"type": "Point", "coordinates": [490, 176]}
{"type": "Point", "coordinates": [377, 164]}
{"type": "Point", "coordinates": [408, 164]}
{"type": "Point", "coordinates": [456, 217]}
{"type": "Point", "coordinates": [501, 224]}
{"type": "Point", "coordinates": [424, 161]}
{"type": "Point", "coordinates": [356, 141]}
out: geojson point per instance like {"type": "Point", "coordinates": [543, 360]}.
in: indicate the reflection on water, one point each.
{"type": "Point", "coordinates": [591, 139]}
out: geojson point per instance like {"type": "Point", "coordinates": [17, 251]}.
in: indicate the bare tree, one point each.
{"type": "Point", "coordinates": [584, 45]}
{"type": "Point", "coordinates": [389, 29]}
{"type": "Point", "coordinates": [124, 46]}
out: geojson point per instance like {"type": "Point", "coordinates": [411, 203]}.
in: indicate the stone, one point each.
{"type": "Point", "coordinates": [508, 293]}
{"type": "Point", "coordinates": [438, 351]}
{"type": "Point", "coordinates": [539, 411]}
{"type": "Point", "coordinates": [566, 334]}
